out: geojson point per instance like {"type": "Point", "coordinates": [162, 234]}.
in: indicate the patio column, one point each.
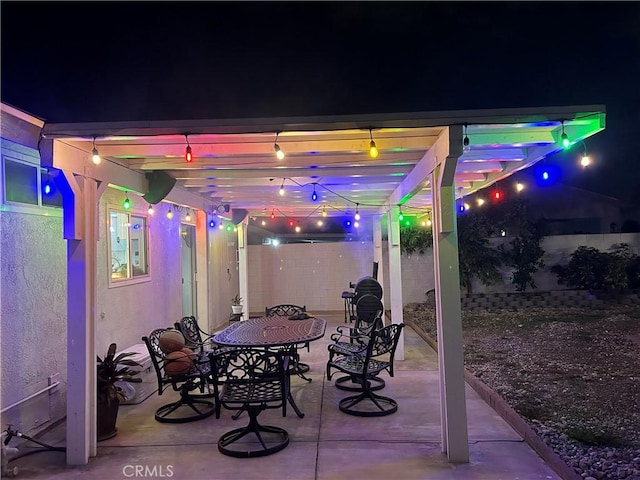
{"type": "Point", "coordinates": [395, 274]}
{"type": "Point", "coordinates": [448, 309]}
{"type": "Point", "coordinates": [80, 202]}
{"type": "Point", "coordinates": [243, 264]}
{"type": "Point", "coordinates": [377, 249]}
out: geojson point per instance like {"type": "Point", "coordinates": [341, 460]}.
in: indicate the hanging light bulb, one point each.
{"type": "Point", "coordinates": [519, 186]}
{"type": "Point", "coordinates": [212, 223]}
{"type": "Point", "coordinates": [480, 202]}
{"type": "Point", "coordinates": [169, 213]}
{"type": "Point", "coordinates": [465, 140]}
{"type": "Point", "coordinates": [127, 203]}
{"type": "Point", "coordinates": [187, 217]}
{"type": "Point", "coordinates": [281, 191]}
{"type": "Point", "coordinates": [373, 150]}
{"type": "Point", "coordinates": [357, 215]}
{"type": "Point", "coordinates": [314, 195]}
{"type": "Point", "coordinates": [585, 161]}
{"type": "Point", "coordinates": [278, 150]}
{"type": "Point", "coordinates": [95, 156]}
{"type": "Point", "coordinates": [188, 156]}
{"type": "Point", "coordinates": [150, 210]}
{"type": "Point", "coordinates": [324, 211]}
{"type": "Point", "coordinates": [400, 216]}
{"type": "Point", "coordinates": [564, 138]}
{"type": "Point", "coordinates": [273, 215]}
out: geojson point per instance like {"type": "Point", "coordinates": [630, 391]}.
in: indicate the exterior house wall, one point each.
{"type": "Point", "coordinates": [124, 313]}
{"type": "Point", "coordinates": [33, 270]}
{"type": "Point", "coordinates": [223, 278]}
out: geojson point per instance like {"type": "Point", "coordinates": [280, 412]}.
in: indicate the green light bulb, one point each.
{"type": "Point", "coordinates": [127, 204]}
{"type": "Point", "coordinates": [566, 143]}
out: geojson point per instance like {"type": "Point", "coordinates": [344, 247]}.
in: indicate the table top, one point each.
{"type": "Point", "coordinates": [271, 331]}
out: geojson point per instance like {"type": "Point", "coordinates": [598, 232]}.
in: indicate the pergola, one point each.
{"type": "Point", "coordinates": [424, 164]}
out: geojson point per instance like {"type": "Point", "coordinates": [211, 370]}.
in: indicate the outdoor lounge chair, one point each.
{"type": "Point", "coordinates": [251, 380]}
{"type": "Point", "coordinates": [354, 340]}
{"type": "Point", "coordinates": [378, 357]}
{"type": "Point", "coordinates": [190, 406]}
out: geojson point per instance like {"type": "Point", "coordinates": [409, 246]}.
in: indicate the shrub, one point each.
{"type": "Point", "coordinates": [591, 269]}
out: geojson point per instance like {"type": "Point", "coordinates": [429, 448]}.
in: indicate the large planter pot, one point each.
{"type": "Point", "coordinates": [236, 309]}
{"type": "Point", "coordinates": [107, 416]}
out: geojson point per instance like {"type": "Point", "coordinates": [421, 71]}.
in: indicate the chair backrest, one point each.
{"type": "Point", "coordinates": [157, 356]}
{"type": "Point", "coordinates": [189, 328]}
{"type": "Point", "coordinates": [284, 310]}
{"type": "Point", "coordinates": [254, 366]}
{"type": "Point", "coordinates": [383, 342]}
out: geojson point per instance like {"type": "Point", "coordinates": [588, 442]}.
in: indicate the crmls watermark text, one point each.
{"type": "Point", "coordinates": [147, 471]}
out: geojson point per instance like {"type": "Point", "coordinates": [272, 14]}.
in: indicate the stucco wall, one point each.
{"type": "Point", "coordinates": [311, 274]}
{"type": "Point", "coordinates": [126, 313]}
{"type": "Point", "coordinates": [33, 338]}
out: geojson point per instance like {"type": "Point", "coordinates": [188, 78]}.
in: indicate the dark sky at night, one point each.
{"type": "Point", "coordinates": [94, 61]}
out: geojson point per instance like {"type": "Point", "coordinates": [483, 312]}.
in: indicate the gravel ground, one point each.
{"type": "Point", "coordinates": [572, 373]}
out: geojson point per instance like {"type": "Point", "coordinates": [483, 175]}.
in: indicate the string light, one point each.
{"type": "Point", "coordinates": [187, 217]}
{"type": "Point", "coordinates": [480, 202]}
{"type": "Point", "coordinates": [188, 156]}
{"type": "Point", "coordinates": [465, 141]}
{"type": "Point", "coordinates": [278, 150]}
{"type": "Point", "coordinates": [273, 215]}
{"type": "Point", "coordinates": [324, 211]}
{"type": "Point", "coordinates": [400, 216]}
{"type": "Point", "coordinates": [281, 191]}
{"type": "Point", "coordinates": [314, 195]}
{"type": "Point", "coordinates": [212, 223]}
{"type": "Point", "coordinates": [95, 156]}
{"type": "Point", "coordinates": [357, 215]}
{"type": "Point", "coordinates": [150, 210]}
{"type": "Point", "coordinates": [373, 150]}
{"type": "Point", "coordinates": [519, 187]}
{"type": "Point", "coordinates": [127, 203]}
{"type": "Point", "coordinates": [169, 213]}
{"type": "Point", "coordinates": [564, 138]}
{"type": "Point", "coordinates": [585, 161]}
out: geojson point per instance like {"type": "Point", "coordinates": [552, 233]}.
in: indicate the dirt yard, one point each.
{"type": "Point", "coordinates": [572, 373]}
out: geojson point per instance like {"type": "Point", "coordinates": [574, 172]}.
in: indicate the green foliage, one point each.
{"type": "Point", "coordinates": [415, 239]}
{"type": "Point", "coordinates": [591, 269]}
{"type": "Point", "coordinates": [112, 369]}
{"type": "Point", "coordinates": [523, 253]}
{"type": "Point", "coordinates": [476, 256]}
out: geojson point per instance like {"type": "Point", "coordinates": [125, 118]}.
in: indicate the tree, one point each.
{"type": "Point", "coordinates": [523, 252]}
{"type": "Point", "coordinates": [476, 255]}
{"type": "Point", "coordinates": [415, 239]}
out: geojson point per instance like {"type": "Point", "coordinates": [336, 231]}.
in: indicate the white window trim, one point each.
{"type": "Point", "coordinates": [133, 280]}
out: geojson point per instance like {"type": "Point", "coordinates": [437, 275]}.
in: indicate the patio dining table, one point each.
{"type": "Point", "coordinates": [276, 331]}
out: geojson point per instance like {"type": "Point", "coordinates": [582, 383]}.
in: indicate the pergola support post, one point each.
{"type": "Point", "coordinates": [80, 200]}
{"type": "Point", "coordinates": [448, 309]}
{"type": "Point", "coordinates": [395, 274]}
{"type": "Point", "coordinates": [243, 263]}
{"type": "Point", "coordinates": [378, 255]}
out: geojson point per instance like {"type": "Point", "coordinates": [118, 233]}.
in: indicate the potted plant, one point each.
{"type": "Point", "coordinates": [236, 304]}
{"type": "Point", "coordinates": [110, 370]}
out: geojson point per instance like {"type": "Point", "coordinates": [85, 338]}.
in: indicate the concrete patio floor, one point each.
{"type": "Point", "coordinates": [326, 444]}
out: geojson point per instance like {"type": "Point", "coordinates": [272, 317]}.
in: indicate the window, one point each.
{"type": "Point", "coordinates": [25, 183]}
{"type": "Point", "coordinates": [127, 246]}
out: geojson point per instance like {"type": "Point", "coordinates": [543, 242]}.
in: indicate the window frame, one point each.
{"type": "Point", "coordinates": [129, 280]}
{"type": "Point", "coordinates": [16, 153]}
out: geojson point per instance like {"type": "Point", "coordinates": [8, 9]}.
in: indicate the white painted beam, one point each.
{"type": "Point", "coordinates": [81, 353]}
{"type": "Point", "coordinates": [449, 314]}
{"type": "Point", "coordinates": [395, 274]}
